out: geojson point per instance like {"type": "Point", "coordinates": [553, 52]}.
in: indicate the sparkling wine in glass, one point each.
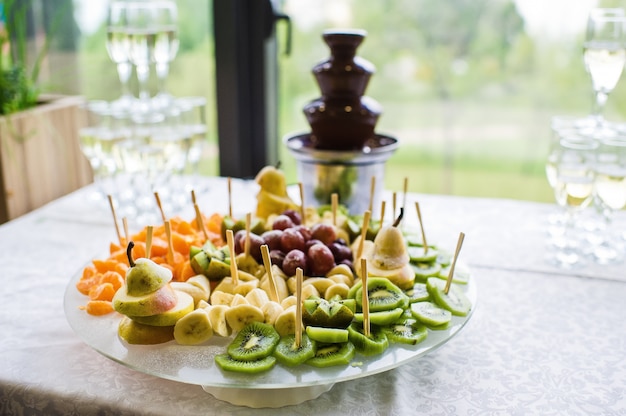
{"type": "Point", "coordinates": [610, 195]}
{"type": "Point", "coordinates": [118, 48]}
{"type": "Point", "coordinates": [166, 48]}
{"type": "Point", "coordinates": [573, 191]}
{"type": "Point", "coordinates": [604, 53]}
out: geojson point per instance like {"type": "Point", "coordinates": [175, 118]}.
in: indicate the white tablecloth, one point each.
{"type": "Point", "coordinates": [541, 341]}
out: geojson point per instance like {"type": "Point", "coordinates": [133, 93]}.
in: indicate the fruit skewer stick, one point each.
{"type": "Point", "coordinates": [394, 198]}
{"type": "Point", "coordinates": [246, 246]}
{"type": "Point", "coordinates": [405, 190]}
{"type": "Point", "coordinates": [301, 189]}
{"type": "Point", "coordinates": [365, 299]}
{"type": "Point", "coordinates": [158, 201]}
{"type": "Point", "coordinates": [200, 221]}
{"type": "Point", "coordinates": [230, 196]}
{"type": "Point", "coordinates": [115, 222]}
{"type": "Point", "coordinates": [366, 220]}
{"type": "Point", "coordinates": [372, 191]}
{"type": "Point", "coordinates": [298, 307]}
{"type": "Point", "coordinates": [149, 231]}
{"type": "Point", "coordinates": [459, 244]}
{"type": "Point", "coordinates": [125, 226]}
{"type": "Point", "coordinates": [383, 205]}
{"type": "Point", "coordinates": [265, 252]}
{"type": "Point", "coordinates": [170, 249]}
{"type": "Point", "coordinates": [334, 202]}
{"type": "Point", "coordinates": [234, 272]}
{"type": "Point", "coordinates": [419, 217]}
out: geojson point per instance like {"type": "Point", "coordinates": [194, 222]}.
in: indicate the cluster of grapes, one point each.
{"type": "Point", "coordinates": [291, 244]}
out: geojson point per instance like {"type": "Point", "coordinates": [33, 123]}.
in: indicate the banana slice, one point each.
{"type": "Point", "coordinates": [197, 293]}
{"type": "Point", "coordinates": [193, 328]}
{"type": "Point", "coordinates": [257, 297]}
{"type": "Point", "coordinates": [271, 310]}
{"type": "Point", "coordinates": [239, 316]}
{"type": "Point", "coordinates": [337, 289]}
{"type": "Point", "coordinates": [320, 283]}
{"type": "Point", "coordinates": [243, 288]}
{"type": "Point", "coordinates": [217, 316]}
{"type": "Point", "coordinates": [310, 290]}
{"type": "Point", "coordinates": [238, 300]}
{"type": "Point", "coordinates": [286, 322]}
{"type": "Point", "coordinates": [342, 278]}
{"type": "Point", "coordinates": [289, 301]}
{"type": "Point", "coordinates": [201, 282]}
{"type": "Point", "coordinates": [221, 298]}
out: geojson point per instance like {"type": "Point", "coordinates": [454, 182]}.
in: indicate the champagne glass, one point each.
{"type": "Point", "coordinates": [604, 55]}
{"type": "Point", "coordinates": [573, 190]}
{"type": "Point", "coordinates": [166, 47]}
{"type": "Point", "coordinates": [117, 47]}
{"type": "Point", "coordinates": [610, 194]}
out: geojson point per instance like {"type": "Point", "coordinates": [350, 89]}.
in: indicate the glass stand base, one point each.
{"type": "Point", "coordinates": [273, 398]}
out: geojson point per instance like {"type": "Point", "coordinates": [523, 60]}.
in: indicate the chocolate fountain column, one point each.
{"type": "Point", "coordinates": [343, 152]}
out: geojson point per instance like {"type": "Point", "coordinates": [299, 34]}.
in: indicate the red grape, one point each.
{"type": "Point", "coordinates": [282, 222]}
{"type": "Point", "coordinates": [272, 239]}
{"type": "Point", "coordinates": [294, 215]}
{"type": "Point", "coordinates": [293, 260]}
{"type": "Point", "coordinates": [291, 240]}
{"type": "Point", "coordinates": [340, 252]}
{"type": "Point", "coordinates": [305, 231]}
{"type": "Point", "coordinates": [320, 259]}
{"type": "Point", "coordinates": [324, 232]}
{"type": "Point", "coordinates": [277, 257]}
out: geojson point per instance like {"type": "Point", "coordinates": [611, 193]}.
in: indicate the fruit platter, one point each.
{"type": "Point", "coordinates": [271, 310]}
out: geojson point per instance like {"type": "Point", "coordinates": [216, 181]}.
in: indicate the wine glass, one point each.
{"type": "Point", "coordinates": [152, 38]}
{"type": "Point", "coordinates": [117, 47]}
{"type": "Point", "coordinates": [573, 191]}
{"type": "Point", "coordinates": [166, 47]}
{"type": "Point", "coordinates": [604, 55]}
{"type": "Point", "coordinates": [610, 195]}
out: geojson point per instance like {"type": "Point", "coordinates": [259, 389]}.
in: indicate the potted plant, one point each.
{"type": "Point", "coordinates": [40, 158]}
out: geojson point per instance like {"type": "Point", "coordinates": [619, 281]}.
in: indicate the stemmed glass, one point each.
{"type": "Point", "coordinates": [117, 47]}
{"type": "Point", "coordinates": [166, 47]}
{"type": "Point", "coordinates": [573, 190]}
{"type": "Point", "coordinates": [610, 195]}
{"type": "Point", "coordinates": [604, 55]}
{"type": "Point", "coordinates": [152, 38]}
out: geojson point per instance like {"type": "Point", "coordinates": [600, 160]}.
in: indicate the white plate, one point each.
{"type": "Point", "coordinates": [196, 365]}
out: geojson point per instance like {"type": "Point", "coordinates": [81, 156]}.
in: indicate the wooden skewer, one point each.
{"type": "Point", "coordinates": [364, 227]}
{"type": "Point", "coordinates": [459, 244]}
{"type": "Point", "coordinates": [301, 189]}
{"type": "Point", "coordinates": [230, 197]}
{"type": "Point", "coordinates": [149, 231]}
{"type": "Point", "coordinates": [158, 201]}
{"type": "Point", "coordinates": [394, 197]}
{"type": "Point", "coordinates": [125, 225]}
{"type": "Point", "coordinates": [419, 217]}
{"type": "Point", "coordinates": [193, 197]}
{"type": "Point", "coordinates": [265, 252]}
{"type": "Point", "coordinates": [383, 205]}
{"type": "Point", "coordinates": [405, 190]}
{"type": "Point", "coordinates": [200, 221]}
{"type": "Point", "coordinates": [170, 249]}
{"type": "Point", "coordinates": [372, 191]}
{"type": "Point", "coordinates": [246, 248]}
{"type": "Point", "coordinates": [334, 203]}
{"type": "Point", "coordinates": [299, 278]}
{"type": "Point", "coordinates": [234, 272]}
{"type": "Point", "coordinates": [365, 307]}
{"type": "Point", "coordinates": [117, 227]}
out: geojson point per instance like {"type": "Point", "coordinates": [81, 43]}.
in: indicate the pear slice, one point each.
{"type": "Point", "coordinates": [184, 305]}
{"type": "Point", "coordinates": [153, 303]}
{"type": "Point", "coordinates": [135, 333]}
{"type": "Point", "coordinates": [145, 276]}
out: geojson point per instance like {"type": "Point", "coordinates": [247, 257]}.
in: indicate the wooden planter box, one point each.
{"type": "Point", "coordinates": [40, 156]}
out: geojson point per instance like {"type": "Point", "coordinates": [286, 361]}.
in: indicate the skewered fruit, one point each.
{"type": "Point", "coordinates": [273, 197]}
{"type": "Point", "coordinates": [153, 303]}
{"type": "Point", "coordinates": [135, 333]}
{"type": "Point", "coordinates": [328, 355]}
{"type": "Point", "coordinates": [405, 331]}
{"type": "Point", "coordinates": [144, 276]}
{"type": "Point", "coordinates": [288, 353]}
{"type": "Point", "coordinates": [430, 314]}
{"type": "Point", "coordinates": [227, 363]}
{"type": "Point", "coordinates": [390, 250]}
{"type": "Point", "coordinates": [254, 342]}
{"type": "Point", "coordinates": [382, 295]}
{"type": "Point", "coordinates": [184, 305]}
{"type": "Point", "coordinates": [454, 301]}
{"type": "Point", "coordinates": [373, 344]}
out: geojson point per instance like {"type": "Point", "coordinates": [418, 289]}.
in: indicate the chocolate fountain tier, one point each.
{"type": "Point", "coordinates": [347, 173]}
{"type": "Point", "coordinates": [342, 125]}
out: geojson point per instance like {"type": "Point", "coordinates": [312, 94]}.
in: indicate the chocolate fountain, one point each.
{"type": "Point", "coordinates": [342, 152]}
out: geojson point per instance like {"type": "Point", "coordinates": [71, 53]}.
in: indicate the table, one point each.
{"type": "Point", "coordinates": [541, 340]}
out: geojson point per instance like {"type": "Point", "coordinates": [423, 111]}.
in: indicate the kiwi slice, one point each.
{"type": "Point", "coordinates": [328, 355]}
{"type": "Point", "coordinates": [288, 354]}
{"type": "Point", "coordinates": [417, 255]}
{"type": "Point", "coordinates": [430, 314]}
{"type": "Point", "coordinates": [327, 335]}
{"type": "Point", "coordinates": [381, 318]}
{"type": "Point", "coordinates": [425, 270]}
{"type": "Point", "coordinates": [418, 293]}
{"type": "Point", "coordinates": [455, 300]}
{"type": "Point", "coordinates": [461, 276]}
{"type": "Point", "coordinates": [405, 331]}
{"type": "Point", "coordinates": [322, 313]}
{"type": "Point", "coordinates": [374, 344]}
{"type": "Point", "coordinates": [383, 295]}
{"type": "Point", "coordinates": [255, 341]}
{"type": "Point", "coordinates": [228, 363]}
